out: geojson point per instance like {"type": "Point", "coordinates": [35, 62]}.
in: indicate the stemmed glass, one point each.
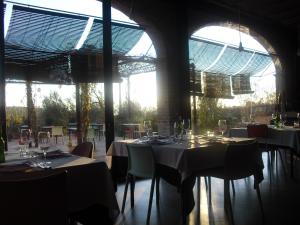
{"type": "Point", "coordinates": [186, 124]}
{"type": "Point", "coordinates": [296, 123]}
{"type": "Point", "coordinates": [44, 145]}
{"type": "Point", "coordinates": [23, 147]}
{"type": "Point", "coordinates": [148, 127]}
{"type": "Point", "coordinates": [222, 126]}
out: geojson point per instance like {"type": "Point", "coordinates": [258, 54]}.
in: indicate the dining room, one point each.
{"type": "Point", "coordinates": [192, 107]}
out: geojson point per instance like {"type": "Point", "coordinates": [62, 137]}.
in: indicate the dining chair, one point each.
{"type": "Point", "coordinates": [141, 163]}
{"type": "Point", "coordinates": [57, 131]}
{"type": "Point", "coordinates": [84, 149]}
{"type": "Point", "coordinates": [241, 161]}
{"type": "Point", "coordinates": [128, 133]}
{"type": "Point", "coordinates": [260, 132]}
{"type": "Point", "coordinates": [34, 198]}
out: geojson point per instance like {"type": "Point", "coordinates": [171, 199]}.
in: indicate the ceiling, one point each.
{"type": "Point", "coordinates": [286, 13]}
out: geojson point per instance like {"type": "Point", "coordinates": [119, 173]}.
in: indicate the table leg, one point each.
{"type": "Point", "coordinates": [292, 164]}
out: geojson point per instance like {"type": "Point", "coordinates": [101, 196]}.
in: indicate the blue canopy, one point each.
{"type": "Point", "coordinates": [210, 56]}
{"type": "Point", "coordinates": [38, 34]}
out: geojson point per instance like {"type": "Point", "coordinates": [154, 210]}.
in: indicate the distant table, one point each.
{"type": "Point", "coordinates": [99, 129]}
{"type": "Point", "coordinates": [286, 137]}
{"type": "Point", "coordinates": [47, 129]}
{"type": "Point", "coordinates": [129, 128]}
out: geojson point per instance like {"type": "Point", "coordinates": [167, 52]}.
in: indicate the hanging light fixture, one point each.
{"type": "Point", "coordinates": [241, 48]}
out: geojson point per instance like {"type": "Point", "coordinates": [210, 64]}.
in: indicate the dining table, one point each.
{"type": "Point", "coordinates": [185, 159]}
{"type": "Point", "coordinates": [88, 180]}
{"type": "Point", "coordinates": [284, 137]}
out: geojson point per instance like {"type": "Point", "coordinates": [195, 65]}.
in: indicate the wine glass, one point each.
{"type": "Point", "coordinates": [186, 124]}
{"type": "Point", "coordinates": [222, 126]}
{"type": "Point", "coordinates": [44, 145]}
{"type": "Point", "coordinates": [148, 127]}
{"type": "Point", "coordinates": [274, 116]}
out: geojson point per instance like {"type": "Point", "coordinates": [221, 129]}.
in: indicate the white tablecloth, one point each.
{"type": "Point", "coordinates": [286, 136]}
{"type": "Point", "coordinates": [188, 156]}
{"type": "Point", "coordinates": [89, 180]}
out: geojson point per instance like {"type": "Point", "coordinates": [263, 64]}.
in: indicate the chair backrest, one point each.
{"type": "Point", "coordinates": [141, 161]}
{"type": "Point", "coordinates": [34, 198]}
{"type": "Point", "coordinates": [57, 131]}
{"type": "Point", "coordinates": [242, 160]}
{"type": "Point", "coordinates": [84, 149]}
{"type": "Point", "coordinates": [257, 130]}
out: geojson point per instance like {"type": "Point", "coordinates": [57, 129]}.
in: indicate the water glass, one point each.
{"type": "Point", "coordinates": [222, 126]}
{"type": "Point", "coordinates": [148, 127]}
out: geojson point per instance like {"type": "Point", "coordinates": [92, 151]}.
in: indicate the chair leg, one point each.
{"type": "Point", "coordinates": [132, 186]}
{"type": "Point", "coordinates": [150, 200]}
{"type": "Point", "coordinates": [125, 193]}
{"type": "Point", "coordinates": [209, 189]}
{"type": "Point", "coordinates": [227, 201]}
{"type": "Point", "coordinates": [94, 144]}
{"type": "Point", "coordinates": [206, 183]}
{"type": "Point", "coordinates": [260, 203]}
{"type": "Point", "coordinates": [233, 188]}
{"type": "Point", "coordinates": [269, 166]}
{"type": "Point", "coordinates": [281, 160]}
{"type": "Point", "coordinates": [292, 164]}
{"type": "Point", "coordinates": [157, 190]}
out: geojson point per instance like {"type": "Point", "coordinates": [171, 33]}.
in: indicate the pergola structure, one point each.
{"type": "Point", "coordinates": [52, 46]}
{"type": "Point", "coordinates": [49, 44]}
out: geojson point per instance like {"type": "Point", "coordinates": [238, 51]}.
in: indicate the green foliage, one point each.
{"type": "Point", "coordinates": [55, 111]}
{"type": "Point", "coordinates": [96, 113]}
{"type": "Point", "coordinates": [208, 113]}
{"type": "Point", "coordinates": [15, 117]}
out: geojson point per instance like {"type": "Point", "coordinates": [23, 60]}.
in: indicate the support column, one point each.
{"type": "Point", "coordinates": [173, 78]}
{"type": "Point", "coordinates": [108, 81]}
{"type": "Point", "coordinates": [78, 116]}
{"type": "Point", "coordinates": [128, 99]}
{"type": "Point", "coordinates": [2, 77]}
{"type": "Point", "coordinates": [183, 63]}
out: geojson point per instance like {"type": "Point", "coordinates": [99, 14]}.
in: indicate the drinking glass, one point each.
{"type": "Point", "coordinates": [298, 117]}
{"type": "Point", "coordinates": [222, 126]}
{"type": "Point", "coordinates": [148, 127]}
{"type": "Point", "coordinates": [186, 125]}
{"type": "Point", "coordinates": [274, 116]}
{"type": "Point", "coordinates": [23, 147]}
{"type": "Point", "coordinates": [44, 145]}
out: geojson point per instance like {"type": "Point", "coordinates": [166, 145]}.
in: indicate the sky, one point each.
{"type": "Point", "coordinates": [143, 86]}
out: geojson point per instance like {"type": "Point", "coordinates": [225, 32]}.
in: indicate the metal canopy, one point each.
{"type": "Point", "coordinates": [40, 40]}
{"type": "Point", "coordinates": [35, 32]}
{"type": "Point", "coordinates": [210, 56]}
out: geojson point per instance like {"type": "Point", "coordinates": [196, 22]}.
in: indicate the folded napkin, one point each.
{"type": "Point", "coordinates": [159, 142]}
{"type": "Point", "coordinates": [55, 154]}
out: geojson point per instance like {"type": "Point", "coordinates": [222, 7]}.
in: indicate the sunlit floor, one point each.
{"type": "Point", "coordinates": [280, 195]}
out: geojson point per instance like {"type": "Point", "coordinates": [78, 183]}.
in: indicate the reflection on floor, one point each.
{"type": "Point", "coordinates": [280, 195]}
